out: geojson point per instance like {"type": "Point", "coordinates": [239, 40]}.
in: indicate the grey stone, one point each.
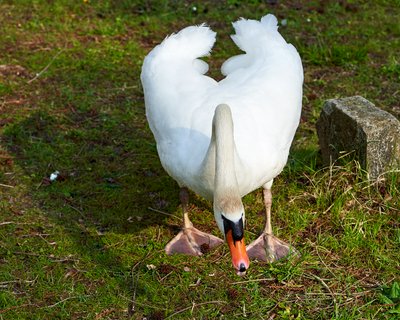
{"type": "Point", "coordinates": [354, 125]}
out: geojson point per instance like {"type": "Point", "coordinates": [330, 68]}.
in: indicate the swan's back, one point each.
{"type": "Point", "coordinates": [262, 87]}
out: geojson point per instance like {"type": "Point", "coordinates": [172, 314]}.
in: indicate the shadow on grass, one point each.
{"type": "Point", "coordinates": [109, 175]}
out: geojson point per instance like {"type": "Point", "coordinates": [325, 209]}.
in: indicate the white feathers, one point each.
{"type": "Point", "coordinates": [252, 34]}
{"type": "Point", "coordinates": [190, 43]}
{"type": "Point", "coordinates": [263, 88]}
{"type": "Point", "coordinates": [270, 22]}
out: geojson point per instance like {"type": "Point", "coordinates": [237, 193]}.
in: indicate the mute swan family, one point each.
{"type": "Point", "coordinates": [224, 139]}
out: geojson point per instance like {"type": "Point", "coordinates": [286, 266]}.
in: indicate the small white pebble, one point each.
{"type": "Point", "coordinates": [284, 22]}
{"type": "Point", "coordinates": [195, 284]}
{"type": "Point", "coordinates": [54, 175]}
{"type": "Point", "coordinates": [151, 266]}
{"type": "Point", "coordinates": [308, 20]}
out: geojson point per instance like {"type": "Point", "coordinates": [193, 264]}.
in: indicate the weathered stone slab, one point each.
{"type": "Point", "coordinates": [355, 125]}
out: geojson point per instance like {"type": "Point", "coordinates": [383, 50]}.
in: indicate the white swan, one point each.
{"type": "Point", "coordinates": [225, 139]}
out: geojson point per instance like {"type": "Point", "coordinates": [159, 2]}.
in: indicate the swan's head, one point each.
{"type": "Point", "coordinates": [230, 219]}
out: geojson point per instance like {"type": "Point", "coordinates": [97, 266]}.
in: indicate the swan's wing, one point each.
{"type": "Point", "coordinates": [257, 39]}
{"type": "Point", "coordinates": [264, 89]}
{"type": "Point", "coordinates": [173, 79]}
{"type": "Point", "coordinates": [174, 86]}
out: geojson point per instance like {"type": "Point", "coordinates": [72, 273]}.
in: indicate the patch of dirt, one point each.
{"type": "Point", "coordinates": [5, 159]}
{"type": "Point", "coordinates": [165, 269]}
{"type": "Point", "coordinates": [232, 293]}
{"type": "Point", "coordinates": [7, 71]}
{"type": "Point", "coordinates": [156, 315]}
{"type": "Point", "coordinates": [315, 228]}
{"type": "Point", "coordinates": [205, 248]}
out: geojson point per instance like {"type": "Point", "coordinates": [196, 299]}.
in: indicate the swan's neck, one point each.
{"type": "Point", "coordinates": [222, 137]}
{"type": "Point", "coordinates": [221, 157]}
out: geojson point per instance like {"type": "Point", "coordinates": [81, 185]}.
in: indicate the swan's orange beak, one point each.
{"type": "Point", "coordinates": [239, 255]}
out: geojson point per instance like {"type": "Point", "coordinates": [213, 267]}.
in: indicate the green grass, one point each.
{"type": "Point", "coordinates": [90, 245]}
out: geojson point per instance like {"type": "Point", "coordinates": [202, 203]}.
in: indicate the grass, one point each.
{"type": "Point", "coordinates": [90, 244]}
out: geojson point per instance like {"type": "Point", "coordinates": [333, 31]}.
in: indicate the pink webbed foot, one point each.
{"type": "Point", "coordinates": [269, 248]}
{"type": "Point", "coordinates": [191, 241]}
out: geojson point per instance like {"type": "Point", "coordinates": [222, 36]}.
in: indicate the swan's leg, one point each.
{"type": "Point", "coordinates": [190, 240]}
{"type": "Point", "coordinates": [268, 204]}
{"type": "Point", "coordinates": [267, 247]}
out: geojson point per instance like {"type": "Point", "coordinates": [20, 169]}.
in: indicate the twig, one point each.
{"type": "Point", "coordinates": [162, 212]}
{"type": "Point", "coordinates": [12, 222]}
{"type": "Point", "coordinates": [254, 280]}
{"type": "Point", "coordinates": [62, 260]}
{"type": "Point", "coordinates": [63, 300]}
{"type": "Point", "coordinates": [195, 305]}
{"type": "Point", "coordinates": [6, 185]}
{"type": "Point", "coordinates": [329, 208]}
{"type": "Point", "coordinates": [385, 173]}
{"type": "Point", "coordinates": [163, 278]}
{"type": "Point", "coordinates": [135, 280]}
{"type": "Point", "coordinates": [46, 67]}
{"type": "Point", "coordinates": [27, 253]}
{"type": "Point", "coordinates": [6, 222]}
{"type": "Point", "coordinates": [41, 235]}
{"type": "Point", "coordinates": [323, 262]}
{"type": "Point", "coordinates": [132, 303]}
{"type": "Point", "coordinates": [339, 294]}
{"type": "Point", "coordinates": [6, 283]}
{"type": "Point", "coordinates": [123, 88]}
{"type": "Point", "coordinates": [331, 294]}
{"type": "Point", "coordinates": [158, 234]}
{"type": "Point", "coordinates": [76, 209]}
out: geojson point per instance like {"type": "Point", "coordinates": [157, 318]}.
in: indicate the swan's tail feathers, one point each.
{"type": "Point", "coordinates": [252, 34]}
{"type": "Point", "coordinates": [192, 42]}
{"type": "Point", "coordinates": [181, 50]}
{"type": "Point", "coordinates": [270, 21]}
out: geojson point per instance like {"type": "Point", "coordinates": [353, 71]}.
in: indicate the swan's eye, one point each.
{"type": "Point", "coordinates": [235, 227]}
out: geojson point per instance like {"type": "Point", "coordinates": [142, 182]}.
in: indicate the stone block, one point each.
{"type": "Point", "coordinates": [354, 125]}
